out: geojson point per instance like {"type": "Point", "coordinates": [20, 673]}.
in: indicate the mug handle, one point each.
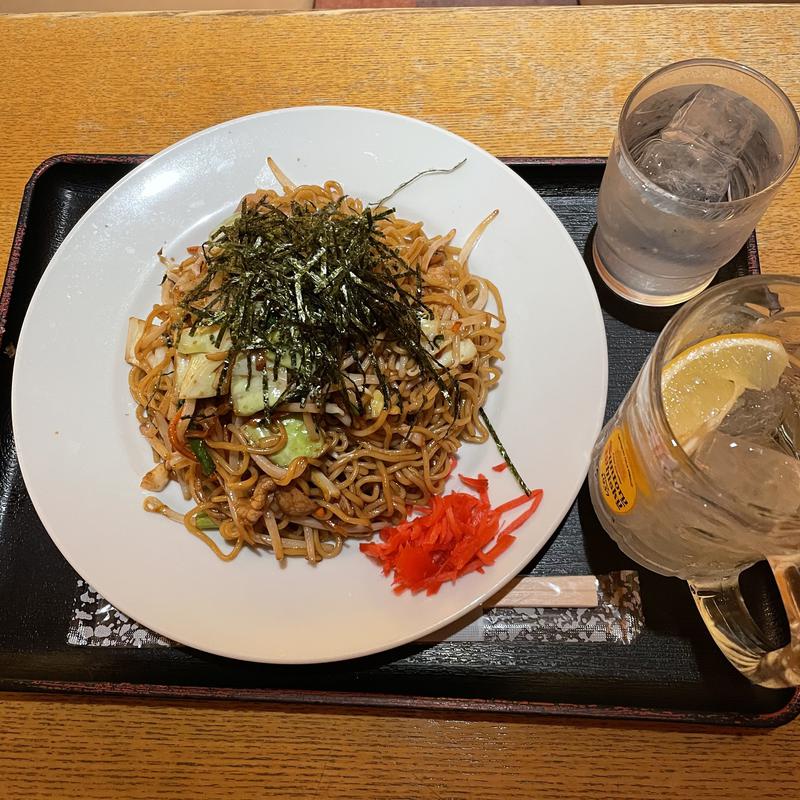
{"type": "Point", "coordinates": [733, 628]}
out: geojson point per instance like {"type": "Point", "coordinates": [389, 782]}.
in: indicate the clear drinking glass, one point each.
{"type": "Point", "coordinates": [734, 498]}
{"type": "Point", "coordinates": [700, 150]}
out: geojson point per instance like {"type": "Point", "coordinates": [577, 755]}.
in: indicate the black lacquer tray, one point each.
{"type": "Point", "coordinates": [671, 671]}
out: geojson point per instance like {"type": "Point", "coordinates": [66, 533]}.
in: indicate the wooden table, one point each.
{"type": "Point", "coordinates": [519, 81]}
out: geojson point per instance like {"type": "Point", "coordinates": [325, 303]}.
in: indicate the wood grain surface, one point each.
{"type": "Point", "coordinates": [543, 81]}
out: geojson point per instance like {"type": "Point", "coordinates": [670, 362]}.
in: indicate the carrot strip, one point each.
{"type": "Point", "coordinates": [455, 535]}
{"type": "Point", "coordinates": [501, 467]}
{"type": "Point", "coordinates": [515, 503]}
{"type": "Point", "coordinates": [479, 484]}
{"type": "Point", "coordinates": [504, 541]}
{"type": "Point", "coordinates": [536, 497]}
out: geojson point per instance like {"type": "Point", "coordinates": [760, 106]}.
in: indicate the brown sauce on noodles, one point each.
{"type": "Point", "coordinates": [371, 468]}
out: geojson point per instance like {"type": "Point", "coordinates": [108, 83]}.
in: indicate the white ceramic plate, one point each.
{"type": "Point", "coordinates": [81, 453]}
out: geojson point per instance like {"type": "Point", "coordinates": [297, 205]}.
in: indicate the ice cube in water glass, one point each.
{"type": "Point", "coordinates": [685, 171]}
{"type": "Point", "coordinates": [696, 152]}
{"type": "Point", "coordinates": [715, 119]}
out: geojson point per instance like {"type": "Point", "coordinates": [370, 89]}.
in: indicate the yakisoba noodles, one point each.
{"type": "Point", "coordinates": [229, 398]}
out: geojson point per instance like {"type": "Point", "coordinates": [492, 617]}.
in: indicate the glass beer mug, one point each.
{"type": "Point", "coordinates": [697, 474]}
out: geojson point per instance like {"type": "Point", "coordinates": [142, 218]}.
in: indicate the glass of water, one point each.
{"type": "Point", "coordinates": [697, 474]}
{"type": "Point", "coordinates": [701, 148]}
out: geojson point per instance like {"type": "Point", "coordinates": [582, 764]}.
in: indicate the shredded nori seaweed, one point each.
{"type": "Point", "coordinates": [310, 288]}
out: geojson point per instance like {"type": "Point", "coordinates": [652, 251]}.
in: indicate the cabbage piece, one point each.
{"type": "Point", "coordinates": [247, 386]}
{"type": "Point", "coordinates": [300, 440]}
{"type": "Point", "coordinates": [197, 376]}
{"type": "Point", "coordinates": [203, 340]}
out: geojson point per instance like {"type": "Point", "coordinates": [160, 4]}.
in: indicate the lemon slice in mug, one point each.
{"type": "Point", "coordinates": [702, 384]}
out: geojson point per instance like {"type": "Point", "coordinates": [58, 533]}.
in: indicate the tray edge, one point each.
{"type": "Point", "coordinates": [411, 703]}
{"type": "Point", "coordinates": [354, 699]}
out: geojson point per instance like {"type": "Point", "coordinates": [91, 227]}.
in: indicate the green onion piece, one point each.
{"type": "Point", "coordinates": [203, 521]}
{"type": "Point", "coordinates": [198, 447]}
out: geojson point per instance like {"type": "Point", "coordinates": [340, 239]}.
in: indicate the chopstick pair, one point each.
{"type": "Point", "coordinates": [563, 591]}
